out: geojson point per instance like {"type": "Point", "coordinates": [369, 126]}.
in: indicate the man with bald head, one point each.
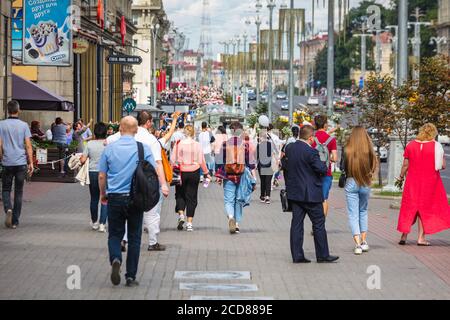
{"type": "Point", "coordinates": [116, 169]}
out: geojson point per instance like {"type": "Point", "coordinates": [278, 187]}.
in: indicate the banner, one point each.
{"type": "Point", "coordinates": [47, 36]}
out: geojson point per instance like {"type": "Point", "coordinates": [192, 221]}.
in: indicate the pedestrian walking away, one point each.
{"type": "Point", "coordinates": [93, 152]}
{"type": "Point", "coordinates": [237, 173]}
{"type": "Point", "coordinates": [359, 163]}
{"type": "Point", "coordinates": [305, 193]}
{"type": "Point", "coordinates": [16, 154]}
{"type": "Point", "coordinates": [188, 154]}
{"type": "Point", "coordinates": [117, 165]}
{"type": "Point", "coordinates": [424, 197]}
{"type": "Point", "coordinates": [265, 155]}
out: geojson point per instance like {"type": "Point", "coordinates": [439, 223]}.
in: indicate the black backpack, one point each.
{"type": "Point", "coordinates": [145, 184]}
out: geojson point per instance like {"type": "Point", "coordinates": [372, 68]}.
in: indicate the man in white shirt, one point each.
{"type": "Point", "coordinates": [153, 217]}
{"type": "Point", "coordinates": [204, 139]}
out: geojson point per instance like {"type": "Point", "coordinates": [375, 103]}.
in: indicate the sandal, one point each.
{"type": "Point", "coordinates": [402, 242]}
{"type": "Point", "coordinates": [426, 244]}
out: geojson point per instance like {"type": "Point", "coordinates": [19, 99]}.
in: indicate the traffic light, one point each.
{"type": "Point", "coordinates": [149, 100]}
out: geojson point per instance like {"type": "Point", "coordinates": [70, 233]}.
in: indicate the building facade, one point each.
{"type": "Point", "coordinates": [308, 53]}
{"type": "Point", "coordinates": [443, 26]}
{"type": "Point", "coordinates": [5, 56]}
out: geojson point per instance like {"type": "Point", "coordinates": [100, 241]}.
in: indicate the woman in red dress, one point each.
{"type": "Point", "coordinates": [424, 195]}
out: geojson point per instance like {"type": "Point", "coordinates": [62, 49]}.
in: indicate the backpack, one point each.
{"type": "Point", "coordinates": [145, 185]}
{"type": "Point", "coordinates": [168, 172]}
{"type": "Point", "coordinates": [324, 153]}
{"type": "Point", "coordinates": [235, 161]}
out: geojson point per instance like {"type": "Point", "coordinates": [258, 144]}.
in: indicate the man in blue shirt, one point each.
{"type": "Point", "coordinates": [117, 166]}
{"type": "Point", "coordinates": [16, 154]}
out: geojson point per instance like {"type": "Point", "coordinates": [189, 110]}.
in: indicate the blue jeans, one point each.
{"type": "Point", "coordinates": [121, 215]}
{"type": "Point", "coordinates": [232, 207]}
{"type": "Point", "coordinates": [357, 203]}
{"type": "Point", "coordinates": [18, 174]}
{"type": "Point", "coordinates": [94, 190]}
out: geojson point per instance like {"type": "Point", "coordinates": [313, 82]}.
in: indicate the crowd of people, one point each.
{"type": "Point", "coordinates": [234, 158]}
{"type": "Point", "coordinates": [195, 97]}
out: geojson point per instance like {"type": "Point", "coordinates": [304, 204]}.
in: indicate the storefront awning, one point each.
{"type": "Point", "coordinates": [33, 97]}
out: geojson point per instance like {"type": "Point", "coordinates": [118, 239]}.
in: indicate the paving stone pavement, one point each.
{"type": "Point", "coordinates": [54, 234]}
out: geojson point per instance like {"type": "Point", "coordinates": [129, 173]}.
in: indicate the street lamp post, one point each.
{"type": "Point", "coordinates": [271, 5]}
{"type": "Point", "coordinates": [233, 43]}
{"type": "Point", "coordinates": [244, 94]}
{"type": "Point", "coordinates": [395, 45]}
{"type": "Point", "coordinates": [258, 52]}
{"type": "Point", "coordinates": [330, 71]}
{"type": "Point", "coordinates": [363, 36]}
{"type": "Point", "coordinates": [154, 30]}
{"type": "Point", "coordinates": [225, 76]}
{"type": "Point", "coordinates": [291, 66]}
{"type": "Point", "coordinates": [417, 41]}
{"type": "Point", "coordinates": [238, 72]}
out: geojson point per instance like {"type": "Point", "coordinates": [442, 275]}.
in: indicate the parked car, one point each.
{"type": "Point", "coordinates": [285, 106]}
{"type": "Point", "coordinates": [313, 101]}
{"type": "Point", "coordinates": [281, 95]}
{"type": "Point", "coordinates": [251, 96]}
{"type": "Point", "coordinates": [264, 96]}
{"type": "Point", "coordinates": [444, 140]}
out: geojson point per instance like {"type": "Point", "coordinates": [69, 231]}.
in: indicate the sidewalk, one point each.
{"type": "Point", "coordinates": [55, 234]}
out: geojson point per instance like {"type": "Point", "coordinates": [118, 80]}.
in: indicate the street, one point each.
{"type": "Point", "coordinates": [54, 239]}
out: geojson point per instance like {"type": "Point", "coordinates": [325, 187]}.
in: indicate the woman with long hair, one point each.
{"type": "Point", "coordinates": [360, 163]}
{"type": "Point", "coordinates": [424, 197]}
{"type": "Point", "coordinates": [188, 154]}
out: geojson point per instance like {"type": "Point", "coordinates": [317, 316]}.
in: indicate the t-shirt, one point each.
{"type": "Point", "coordinates": [145, 137]}
{"type": "Point", "coordinates": [13, 133]}
{"type": "Point", "coordinates": [87, 134]}
{"type": "Point", "coordinates": [322, 136]}
{"type": "Point", "coordinates": [178, 135]}
{"type": "Point", "coordinates": [93, 151]}
{"type": "Point", "coordinates": [59, 133]}
{"type": "Point", "coordinates": [204, 138]}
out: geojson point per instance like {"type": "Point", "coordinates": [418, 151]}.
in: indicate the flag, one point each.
{"type": "Point", "coordinates": [123, 29]}
{"type": "Point", "coordinates": [100, 14]}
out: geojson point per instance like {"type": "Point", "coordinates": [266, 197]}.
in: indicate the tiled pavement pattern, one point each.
{"type": "Point", "coordinates": [55, 234]}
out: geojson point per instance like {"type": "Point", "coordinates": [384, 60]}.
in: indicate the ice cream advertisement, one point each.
{"type": "Point", "coordinates": [47, 36]}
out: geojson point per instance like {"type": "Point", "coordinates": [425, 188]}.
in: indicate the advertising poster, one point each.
{"type": "Point", "coordinates": [47, 36]}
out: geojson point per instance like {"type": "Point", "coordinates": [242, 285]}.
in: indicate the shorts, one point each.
{"type": "Point", "coordinates": [326, 186]}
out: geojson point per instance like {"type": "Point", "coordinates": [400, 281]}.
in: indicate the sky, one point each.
{"type": "Point", "coordinates": [228, 18]}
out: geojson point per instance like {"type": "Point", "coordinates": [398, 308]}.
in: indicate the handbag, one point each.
{"type": "Point", "coordinates": [176, 171]}
{"type": "Point", "coordinates": [342, 180]}
{"type": "Point", "coordinates": [285, 203]}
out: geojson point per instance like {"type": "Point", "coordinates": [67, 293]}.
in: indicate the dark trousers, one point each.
{"type": "Point", "coordinates": [266, 185]}
{"type": "Point", "coordinates": [63, 150]}
{"type": "Point", "coordinates": [119, 213]}
{"type": "Point", "coordinates": [315, 213]}
{"type": "Point", "coordinates": [187, 194]}
{"type": "Point", "coordinates": [18, 175]}
{"type": "Point", "coordinates": [94, 190]}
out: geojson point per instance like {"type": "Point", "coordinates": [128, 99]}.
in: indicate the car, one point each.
{"type": "Point", "coordinates": [264, 96]}
{"type": "Point", "coordinates": [251, 96]}
{"type": "Point", "coordinates": [281, 95]}
{"type": "Point", "coordinates": [313, 101]}
{"type": "Point", "coordinates": [383, 153]}
{"type": "Point", "coordinates": [285, 106]}
{"type": "Point", "coordinates": [444, 140]}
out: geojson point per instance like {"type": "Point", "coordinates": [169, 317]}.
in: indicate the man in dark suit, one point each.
{"type": "Point", "coordinates": [304, 190]}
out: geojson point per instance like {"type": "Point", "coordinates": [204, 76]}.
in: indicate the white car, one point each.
{"type": "Point", "coordinates": [313, 101]}
{"type": "Point", "coordinates": [444, 140]}
{"type": "Point", "coordinates": [383, 153]}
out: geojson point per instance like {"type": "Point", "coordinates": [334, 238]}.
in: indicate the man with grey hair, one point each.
{"type": "Point", "coordinates": [16, 154]}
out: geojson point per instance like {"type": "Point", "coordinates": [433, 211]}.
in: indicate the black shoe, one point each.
{"type": "Point", "coordinates": [329, 259]}
{"type": "Point", "coordinates": [180, 225]}
{"type": "Point", "coordinates": [304, 260]}
{"type": "Point", "coordinates": [156, 247]}
{"type": "Point", "coordinates": [132, 282]}
{"type": "Point", "coordinates": [115, 272]}
{"type": "Point", "coordinates": [124, 246]}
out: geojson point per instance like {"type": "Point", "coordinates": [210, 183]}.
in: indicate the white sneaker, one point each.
{"type": "Point", "coordinates": [189, 227]}
{"type": "Point", "coordinates": [95, 226]}
{"type": "Point", "coordinates": [102, 228]}
{"type": "Point", "coordinates": [358, 250]}
{"type": "Point", "coordinates": [365, 246]}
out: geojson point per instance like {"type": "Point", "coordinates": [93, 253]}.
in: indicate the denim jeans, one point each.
{"type": "Point", "coordinates": [232, 207]}
{"type": "Point", "coordinates": [357, 203]}
{"type": "Point", "coordinates": [121, 216]}
{"type": "Point", "coordinates": [94, 190]}
{"type": "Point", "coordinates": [18, 174]}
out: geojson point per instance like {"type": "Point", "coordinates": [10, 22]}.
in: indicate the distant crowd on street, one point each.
{"type": "Point", "coordinates": [130, 174]}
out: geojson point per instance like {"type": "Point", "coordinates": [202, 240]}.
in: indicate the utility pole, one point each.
{"type": "Point", "coordinates": [238, 72]}
{"type": "Point", "coordinates": [225, 76]}
{"type": "Point", "coordinates": [233, 43]}
{"type": "Point", "coordinates": [258, 52]}
{"type": "Point", "coordinates": [417, 41]}
{"type": "Point", "coordinates": [244, 93]}
{"type": "Point", "coordinates": [271, 5]}
{"type": "Point", "coordinates": [330, 71]}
